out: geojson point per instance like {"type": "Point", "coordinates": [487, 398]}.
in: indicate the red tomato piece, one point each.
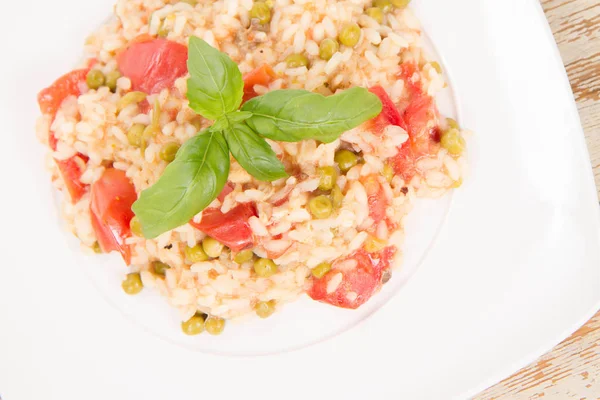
{"type": "Point", "coordinates": [262, 75]}
{"type": "Point", "coordinates": [153, 65]}
{"type": "Point", "coordinates": [71, 171]}
{"type": "Point", "coordinates": [377, 200]}
{"type": "Point", "coordinates": [389, 114]}
{"type": "Point", "coordinates": [422, 124]}
{"type": "Point", "coordinates": [412, 80]}
{"type": "Point", "coordinates": [404, 162]}
{"type": "Point", "coordinates": [111, 200]}
{"type": "Point", "coordinates": [232, 228]}
{"type": "Point", "coordinates": [228, 188]}
{"type": "Point", "coordinates": [50, 98]}
{"type": "Point", "coordinates": [144, 106]}
{"type": "Point", "coordinates": [357, 285]}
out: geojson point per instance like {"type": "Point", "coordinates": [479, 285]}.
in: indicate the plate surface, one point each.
{"type": "Point", "coordinates": [515, 268]}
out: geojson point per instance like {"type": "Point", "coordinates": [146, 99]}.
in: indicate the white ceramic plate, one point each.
{"type": "Point", "coordinates": [515, 267]}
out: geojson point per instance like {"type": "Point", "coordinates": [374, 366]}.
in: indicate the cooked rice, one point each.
{"type": "Point", "coordinates": [90, 125]}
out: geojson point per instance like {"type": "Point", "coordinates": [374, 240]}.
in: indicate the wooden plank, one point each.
{"type": "Point", "coordinates": [572, 369]}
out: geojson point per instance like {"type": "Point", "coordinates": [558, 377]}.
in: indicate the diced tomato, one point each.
{"type": "Point", "coordinates": [404, 162]}
{"type": "Point", "coordinates": [50, 98]}
{"type": "Point", "coordinates": [357, 285]}
{"type": "Point", "coordinates": [412, 80]}
{"type": "Point", "coordinates": [262, 75]}
{"type": "Point", "coordinates": [228, 188]}
{"type": "Point", "coordinates": [153, 65]}
{"type": "Point", "coordinates": [144, 106]}
{"type": "Point", "coordinates": [377, 200]}
{"type": "Point", "coordinates": [110, 206]}
{"type": "Point", "coordinates": [232, 228]}
{"type": "Point", "coordinates": [71, 171]}
{"type": "Point", "coordinates": [389, 114]}
{"type": "Point", "coordinates": [421, 121]}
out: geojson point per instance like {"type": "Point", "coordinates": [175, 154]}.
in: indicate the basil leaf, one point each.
{"type": "Point", "coordinates": [215, 86]}
{"type": "Point", "coordinates": [294, 115]}
{"type": "Point", "coordinates": [253, 153]}
{"type": "Point", "coordinates": [230, 119]}
{"type": "Point", "coordinates": [189, 184]}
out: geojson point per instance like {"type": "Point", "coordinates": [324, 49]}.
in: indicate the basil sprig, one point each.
{"type": "Point", "coordinates": [294, 115]}
{"type": "Point", "coordinates": [201, 167]}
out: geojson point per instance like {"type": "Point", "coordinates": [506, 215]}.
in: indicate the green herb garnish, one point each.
{"type": "Point", "coordinates": [201, 167]}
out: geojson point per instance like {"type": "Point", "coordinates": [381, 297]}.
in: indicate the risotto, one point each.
{"type": "Point", "coordinates": [239, 154]}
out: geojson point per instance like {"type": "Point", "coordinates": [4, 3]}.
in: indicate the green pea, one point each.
{"type": "Point", "coordinates": [132, 283]}
{"type": "Point", "coordinates": [130, 98]}
{"type": "Point", "coordinates": [195, 254]}
{"type": "Point", "coordinates": [296, 60]}
{"type": "Point", "coordinates": [160, 268]}
{"type": "Point", "coordinates": [168, 151]}
{"type": "Point", "coordinates": [111, 80]}
{"type": "Point", "coordinates": [376, 13]}
{"type": "Point", "coordinates": [95, 79]}
{"type": "Point", "coordinates": [212, 247]}
{"type": "Point", "coordinates": [320, 207]}
{"type": "Point", "coordinates": [453, 142]}
{"type": "Point", "coordinates": [190, 2]}
{"type": "Point", "coordinates": [400, 3]}
{"type": "Point", "coordinates": [193, 326]}
{"type": "Point", "coordinates": [136, 226]}
{"type": "Point", "coordinates": [345, 160]}
{"type": "Point", "coordinates": [337, 197]}
{"type": "Point", "coordinates": [135, 134]}
{"type": "Point", "coordinates": [328, 176]}
{"type": "Point", "coordinates": [452, 124]}
{"type": "Point", "coordinates": [243, 256]}
{"type": "Point", "coordinates": [214, 325]}
{"type": "Point", "coordinates": [265, 267]}
{"type": "Point", "coordinates": [388, 172]}
{"type": "Point", "coordinates": [149, 133]}
{"type": "Point", "coordinates": [320, 270]}
{"type": "Point", "coordinates": [349, 35]}
{"type": "Point", "coordinates": [328, 48]}
{"type": "Point", "coordinates": [264, 309]}
{"type": "Point", "coordinates": [384, 5]}
{"type": "Point", "coordinates": [261, 12]}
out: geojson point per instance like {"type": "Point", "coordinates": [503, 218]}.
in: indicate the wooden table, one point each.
{"type": "Point", "coordinates": [572, 369]}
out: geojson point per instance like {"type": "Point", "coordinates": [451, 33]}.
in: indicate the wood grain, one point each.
{"type": "Point", "coordinates": [572, 369]}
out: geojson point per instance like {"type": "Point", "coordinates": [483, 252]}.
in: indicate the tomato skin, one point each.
{"type": "Point", "coordinates": [232, 228]}
{"type": "Point", "coordinates": [71, 171]}
{"type": "Point", "coordinates": [421, 121]}
{"type": "Point", "coordinates": [404, 162]}
{"type": "Point", "coordinates": [376, 198]}
{"type": "Point", "coordinates": [418, 119]}
{"type": "Point", "coordinates": [111, 198]}
{"type": "Point", "coordinates": [262, 75]}
{"type": "Point", "coordinates": [228, 188]}
{"type": "Point", "coordinates": [389, 114]}
{"type": "Point", "coordinates": [364, 280]}
{"type": "Point", "coordinates": [50, 98]}
{"type": "Point", "coordinates": [153, 65]}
